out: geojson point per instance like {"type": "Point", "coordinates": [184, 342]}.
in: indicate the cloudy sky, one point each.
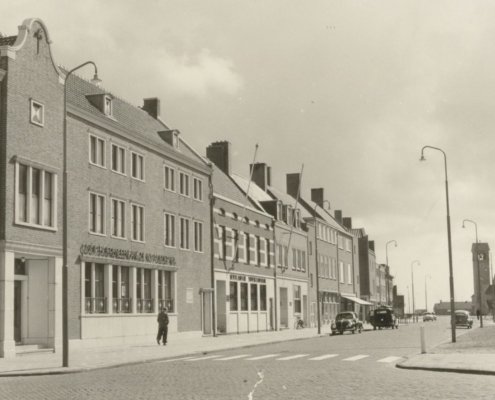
{"type": "Point", "coordinates": [350, 89]}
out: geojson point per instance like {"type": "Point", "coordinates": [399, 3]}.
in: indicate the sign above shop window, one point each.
{"type": "Point", "coordinates": [128, 255]}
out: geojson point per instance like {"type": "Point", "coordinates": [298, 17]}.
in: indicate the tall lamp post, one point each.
{"type": "Point", "coordinates": [478, 266]}
{"type": "Point", "coordinates": [412, 286]}
{"type": "Point", "coordinates": [426, 292]}
{"type": "Point", "coordinates": [317, 266]}
{"type": "Point", "coordinates": [65, 288]}
{"type": "Point", "coordinates": [451, 270]}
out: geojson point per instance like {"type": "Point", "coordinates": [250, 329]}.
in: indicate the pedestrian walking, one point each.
{"type": "Point", "coordinates": [162, 326]}
{"type": "Point", "coordinates": [478, 314]}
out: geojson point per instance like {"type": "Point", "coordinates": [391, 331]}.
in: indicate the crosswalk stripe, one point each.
{"type": "Point", "coordinates": [389, 359]}
{"type": "Point", "coordinates": [323, 357]}
{"type": "Point", "coordinates": [292, 357]}
{"type": "Point", "coordinates": [204, 358]}
{"type": "Point", "coordinates": [176, 359]}
{"type": "Point", "coordinates": [232, 357]}
{"type": "Point", "coordinates": [355, 358]}
{"type": "Point", "coordinates": [262, 357]}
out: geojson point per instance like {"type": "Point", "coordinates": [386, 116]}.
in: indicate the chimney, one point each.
{"type": "Point", "coordinates": [348, 222]}
{"type": "Point", "coordinates": [338, 216]}
{"type": "Point", "coordinates": [219, 154]}
{"type": "Point", "coordinates": [317, 195]}
{"type": "Point", "coordinates": [261, 174]}
{"type": "Point", "coordinates": [371, 245]}
{"type": "Point", "coordinates": [152, 106]}
{"type": "Point", "coordinates": [269, 176]}
{"type": "Point", "coordinates": [293, 182]}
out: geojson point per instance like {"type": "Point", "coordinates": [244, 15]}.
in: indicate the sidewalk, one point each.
{"type": "Point", "coordinates": [473, 353]}
{"type": "Point", "coordinates": [179, 346]}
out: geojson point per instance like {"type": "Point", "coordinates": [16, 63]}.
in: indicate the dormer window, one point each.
{"type": "Point", "coordinates": [107, 106]}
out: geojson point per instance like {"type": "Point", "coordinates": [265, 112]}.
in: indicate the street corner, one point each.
{"type": "Point", "coordinates": [480, 364]}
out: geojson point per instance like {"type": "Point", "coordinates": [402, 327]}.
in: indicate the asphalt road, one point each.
{"type": "Point", "coordinates": [359, 366]}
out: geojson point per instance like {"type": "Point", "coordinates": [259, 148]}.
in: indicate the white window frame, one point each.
{"type": "Point", "coordinates": [108, 105]}
{"type": "Point", "coordinates": [197, 189]}
{"type": "Point", "coordinates": [341, 272]}
{"type": "Point", "coordinates": [112, 218]}
{"type": "Point", "coordinates": [348, 246]}
{"type": "Point", "coordinates": [140, 171]}
{"type": "Point", "coordinates": [142, 221]}
{"type": "Point", "coordinates": [169, 237]}
{"type": "Point", "coordinates": [32, 104]}
{"type": "Point", "coordinates": [186, 177]}
{"type": "Point", "coordinates": [98, 141]}
{"type": "Point", "coordinates": [102, 212]}
{"type": "Point", "coordinates": [168, 172]}
{"type": "Point", "coordinates": [121, 159]}
{"type": "Point", "coordinates": [29, 186]}
{"type": "Point", "coordinates": [349, 274]}
{"type": "Point", "coordinates": [198, 244]}
{"type": "Point", "coordinates": [187, 237]}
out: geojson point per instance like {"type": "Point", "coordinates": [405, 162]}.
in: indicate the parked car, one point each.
{"type": "Point", "coordinates": [429, 317]}
{"type": "Point", "coordinates": [383, 317]}
{"type": "Point", "coordinates": [463, 318]}
{"type": "Point", "coordinates": [346, 321]}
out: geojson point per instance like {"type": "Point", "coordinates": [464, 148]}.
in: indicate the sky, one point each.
{"type": "Point", "coordinates": [352, 90]}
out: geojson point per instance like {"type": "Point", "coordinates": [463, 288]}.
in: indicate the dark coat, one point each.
{"type": "Point", "coordinates": [162, 319]}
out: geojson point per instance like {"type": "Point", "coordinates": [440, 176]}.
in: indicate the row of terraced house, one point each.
{"type": "Point", "coordinates": [152, 223]}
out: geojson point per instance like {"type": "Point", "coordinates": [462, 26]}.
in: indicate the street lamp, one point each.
{"type": "Point", "coordinates": [65, 288]}
{"type": "Point", "coordinates": [317, 267]}
{"type": "Point", "coordinates": [386, 248]}
{"type": "Point", "coordinates": [451, 271]}
{"type": "Point", "coordinates": [426, 292]}
{"type": "Point", "coordinates": [478, 266]}
{"type": "Point", "coordinates": [412, 286]}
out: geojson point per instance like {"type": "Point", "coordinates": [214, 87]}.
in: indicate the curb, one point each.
{"type": "Point", "coordinates": [66, 371]}
{"type": "Point", "coordinates": [446, 369]}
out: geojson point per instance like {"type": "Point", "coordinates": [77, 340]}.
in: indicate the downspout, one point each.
{"type": "Point", "coordinates": [338, 272]}
{"type": "Point", "coordinates": [275, 275]}
{"type": "Point", "coordinates": [212, 255]}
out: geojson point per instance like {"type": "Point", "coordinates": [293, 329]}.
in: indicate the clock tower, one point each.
{"type": "Point", "coordinates": [481, 275]}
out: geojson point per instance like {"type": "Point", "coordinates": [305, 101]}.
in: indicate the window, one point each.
{"type": "Point", "coordinates": [169, 230]}
{"type": "Point", "coordinates": [241, 247]}
{"type": "Point", "coordinates": [184, 233]}
{"type": "Point", "coordinates": [137, 223]}
{"type": "Point", "coordinates": [165, 294]}
{"type": "Point", "coordinates": [137, 166]}
{"type": "Point", "coordinates": [37, 116]}
{"type": "Point", "coordinates": [218, 242]}
{"type": "Point", "coordinates": [184, 184]}
{"type": "Point", "coordinates": [233, 297]}
{"type": "Point", "coordinates": [286, 256]}
{"type": "Point", "coordinates": [107, 106]}
{"type": "Point", "coordinates": [94, 288]}
{"type": "Point", "coordinates": [294, 259]}
{"type": "Point", "coordinates": [97, 213]}
{"type": "Point", "coordinates": [35, 194]}
{"type": "Point", "coordinates": [96, 151]}
{"type": "Point", "coordinates": [303, 259]}
{"type": "Point", "coordinates": [341, 242]}
{"type": "Point", "coordinates": [118, 159]}
{"type": "Point", "coordinates": [349, 274]}
{"type": "Point", "coordinates": [297, 299]}
{"type": "Point", "coordinates": [228, 243]}
{"type": "Point", "coordinates": [254, 297]}
{"type": "Point", "coordinates": [198, 236]}
{"type": "Point", "coordinates": [120, 302]}
{"type": "Point", "coordinates": [253, 259]}
{"type": "Point", "coordinates": [348, 243]}
{"type": "Point", "coordinates": [197, 189]}
{"type": "Point", "coordinates": [244, 296]}
{"type": "Point", "coordinates": [169, 177]}
{"type": "Point", "coordinates": [118, 218]}
{"type": "Point", "coordinates": [341, 272]}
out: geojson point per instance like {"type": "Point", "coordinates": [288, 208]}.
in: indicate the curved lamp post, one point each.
{"type": "Point", "coordinates": [65, 288]}
{"type": "Point", "coordinates": [317, 266]}
{"type": "Point", "coordinates": [451, 271]}
{"type": "Point", "coordinates": [386, 248]}
{"type": "Point", "coordinates": [478, 266]}
{"type": "Point", "coordinates": [412, 286]}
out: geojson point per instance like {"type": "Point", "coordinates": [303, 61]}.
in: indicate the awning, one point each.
{"type": "Point", "coordinates": [357, 300]}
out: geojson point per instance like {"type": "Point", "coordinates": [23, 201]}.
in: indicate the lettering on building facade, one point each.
{"type": "Point", "coordinates": [121, 254]}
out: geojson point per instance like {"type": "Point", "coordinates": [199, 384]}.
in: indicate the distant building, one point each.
{"type": "Point", "coordinates": [398, 302]}
{"type": "Point", "coordinates": [443, 308]}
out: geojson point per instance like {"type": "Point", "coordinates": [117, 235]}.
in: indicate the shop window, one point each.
{"type": "Point", "coordinates": [144, 301]}
{"type": "Point", "coordinates": [94, 290]}
{"type": "Point", "coordinates": [262, 297]}
{"type": "Point", "coordinates": [244, 296]}
{"type": "Point", "coordinates": [234, 306]}
{"type": "Point", "coordinates": [254, 297]}
{"type": "Point", "coordinates": [165, 293]}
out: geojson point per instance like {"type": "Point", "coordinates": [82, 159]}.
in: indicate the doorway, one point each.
{"type": "Point", "coordinates": [18, 312]}
{"type": "Point", "coordinates": [284, 308]}
{"type": "Point", "coordinates": [221, 307]}
{"type": "Point", "coordinates": [207, 311]}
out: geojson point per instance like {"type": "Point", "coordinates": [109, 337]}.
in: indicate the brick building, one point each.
{"type": "Point", "coordinates": [244, 253]}
{"type": "Point", "coordinates": [138, 209]}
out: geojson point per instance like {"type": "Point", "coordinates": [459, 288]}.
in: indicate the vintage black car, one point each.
{"type": "Point", "coordinates": [463, 318]}
{"type": "Point", "coordinates": [346, 321]}
{"type": "Point", "coordinates": [383, 317]}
